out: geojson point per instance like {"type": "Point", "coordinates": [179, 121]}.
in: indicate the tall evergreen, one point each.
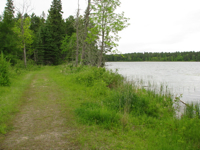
{"type": "Point", "coordinates": [55, 33]}
{"type": "Point", "coordinates": [9, 11]}
{"type": "Point", "coordinates": [8, 42]}
{"type": "Point", "coordinates": [36, 23]}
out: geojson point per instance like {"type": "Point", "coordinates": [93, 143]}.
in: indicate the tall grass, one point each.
{"type": "Point", "coordinates": [130, 113]}
{"type": "Point", "coordinates": [4, 71]}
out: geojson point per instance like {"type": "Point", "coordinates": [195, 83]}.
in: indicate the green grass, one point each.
{"type": "Point", "coordinates": [10, 95]}
{"type": "Point", "coordinates": [121, 116]}
{"type": "Point", "coordinates": [111, 113]}
{"type": "Point", "coordinates": [10, 98]}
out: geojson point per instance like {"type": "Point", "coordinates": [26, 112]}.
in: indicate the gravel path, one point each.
{"type": "Point", "coordinates": [41, 124]}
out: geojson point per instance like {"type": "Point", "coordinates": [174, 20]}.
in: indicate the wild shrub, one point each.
{"type": "Point", "coordinates": [188, 131]}
{"type": "Point", "coordinates": [93, 74]}
{"type": "Point", "coordinates": [93, 113]}
{"type": "Point", "coordinates": [99, 88]}
{"type": "Point", "coordinates": [126, 99]}
{"type": "Point", "coordinates": [4, 71]}
{"type": "Point", "coordinates": [192, 110]}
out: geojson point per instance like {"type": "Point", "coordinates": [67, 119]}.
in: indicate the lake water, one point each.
{"type": "Point", "coordinates": [180, 78]}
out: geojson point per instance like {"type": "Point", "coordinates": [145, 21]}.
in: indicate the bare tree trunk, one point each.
{"type": "Point", "coordinates": [24, 49]}
{"type": "Point", "coordinates": [85, 31]}
{"type": "Point", "coordinates": [77, 35]}
{"type": "Point", "coordinates": [35, 57]}
{"type": "Point", "coordinates": [102, 42]}
{"type": "Point", "coordinates": [25, 55]}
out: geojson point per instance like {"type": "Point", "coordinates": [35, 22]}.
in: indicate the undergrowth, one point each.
{"type": "Point", "coordinates": [128, 114]}
{"type": "Point", "coordinates": [4, 71]}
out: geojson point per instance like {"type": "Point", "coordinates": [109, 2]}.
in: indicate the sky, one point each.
{"type": "Point", "coordinates": [155, 25]}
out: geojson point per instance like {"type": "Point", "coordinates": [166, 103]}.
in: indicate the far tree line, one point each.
{"type": "Point", "coordinates": [149, 56]}
{"type": "Point", "coordinates": [51, 39]}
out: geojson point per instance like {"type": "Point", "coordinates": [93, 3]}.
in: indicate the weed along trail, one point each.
{"type": "Point", "coordinates": [41, 122]}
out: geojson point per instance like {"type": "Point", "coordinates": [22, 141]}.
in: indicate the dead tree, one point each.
{"type": "Point", "coordinates": [87, 19]}
{"type": "Point", "coordinates": [77, 34]}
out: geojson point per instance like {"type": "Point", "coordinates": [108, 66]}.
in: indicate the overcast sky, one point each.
{"type": "Point", "coordinates": [156, 25]}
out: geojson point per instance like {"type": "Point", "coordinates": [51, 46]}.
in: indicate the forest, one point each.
{"type": "Point", "coordinates": [51, 40]}
{"type": "Point", "coordinates": [149, 56]}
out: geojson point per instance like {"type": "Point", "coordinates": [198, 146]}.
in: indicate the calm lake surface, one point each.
{"type": "Point", "coordinates": [177, 77]}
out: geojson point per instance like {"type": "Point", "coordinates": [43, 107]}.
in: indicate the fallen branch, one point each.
{"type": "Point", "coordinates": [184, 103]}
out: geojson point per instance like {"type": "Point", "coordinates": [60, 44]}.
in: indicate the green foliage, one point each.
{"type": "Point", "coordinates": [8, 39]}
{"type": "Point", "coordinates": [69, 26]}
{"type": "Point", "coordinates": [107, 24]}
{"type": "Point", "coordinates": [119, 98]}
{"type": "Point", "coordinates": [106, 21]}
{"type": "Point", "coordinates": [134, 113]}
{"type": "Point", "coordinates": [91, 113]}
{"type": "Point", "coordinates": [26, 36]}
{"type": "Point", "coordinates": [4, 71]}
{"type": "Point", "coordinates": [128, 101]}
{"type": "Point", "coordinates": [192, 110]}
{"type": "Point", "coordinates": [55, 33]}
{"type": "Point", "coordinates": [91, 75]}
{"type": "Point", "coordinates": [125, 98]}
{"type": "Point", "coordinates": [175, 56]}
{"type": "Point", "coordinates": [68, 47]}
{"type": "Point", "coordinates": [19, 67]}
{"type": "Point", "coordinates": [139, 102]}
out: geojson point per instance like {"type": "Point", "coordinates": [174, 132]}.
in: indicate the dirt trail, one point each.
{"type": "Point", "coordinates": [40, 124]}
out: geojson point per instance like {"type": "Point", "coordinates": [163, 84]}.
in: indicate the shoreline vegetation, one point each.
{"type": "Point", "coordinates": [109, 112]}
{"type": "Point", "coordinates": [155, 57]}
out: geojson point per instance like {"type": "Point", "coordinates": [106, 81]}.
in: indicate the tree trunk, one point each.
{"type": "Point", "coordinates": [22, 28]}
{"type": "Point", "coordinates": [77, 35]}
{"type": "Point", "coordinates": [35, 57]}
{"type": "Point", "coordinates": [85, 31]}
{"type": "Point", "coordinates": [25, 55]}
{"type": "Point", "coordinates": [102, 42]}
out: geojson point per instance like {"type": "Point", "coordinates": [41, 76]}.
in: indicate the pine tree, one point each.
{"type": "Point", "coordinates": [8, 42]}
{"type": "Point", "coordinates": [36, 23]}
{"type": "Point", "coordinates": [9, 11]}
{"type": "Point", "coordinates": [55, 33]}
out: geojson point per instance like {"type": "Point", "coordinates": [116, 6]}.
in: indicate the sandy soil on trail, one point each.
{"type": "Point", "coordinates": [40, 123]}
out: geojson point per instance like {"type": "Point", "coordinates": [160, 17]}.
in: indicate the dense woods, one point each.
{"type": "Point", "coordinates": [51, 40]}
{"type": "Point", "coordinates": [164, 56]}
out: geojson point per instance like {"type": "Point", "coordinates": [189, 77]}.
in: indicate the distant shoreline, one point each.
{"type": "Point", "coordinates": [152, 61]}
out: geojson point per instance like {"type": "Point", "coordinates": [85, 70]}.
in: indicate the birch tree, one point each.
{"type": "Point", "coordinates": [23, 10]}
{"type": "Point", "coordinates": [25, 35]}
{"type": "Point", "coordinates": [107, 24]}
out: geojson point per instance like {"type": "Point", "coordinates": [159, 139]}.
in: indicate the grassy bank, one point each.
{"type": "Point", "coordinates": [104, 111]}
{"type": "Point", "coordinates": [113, 114]}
